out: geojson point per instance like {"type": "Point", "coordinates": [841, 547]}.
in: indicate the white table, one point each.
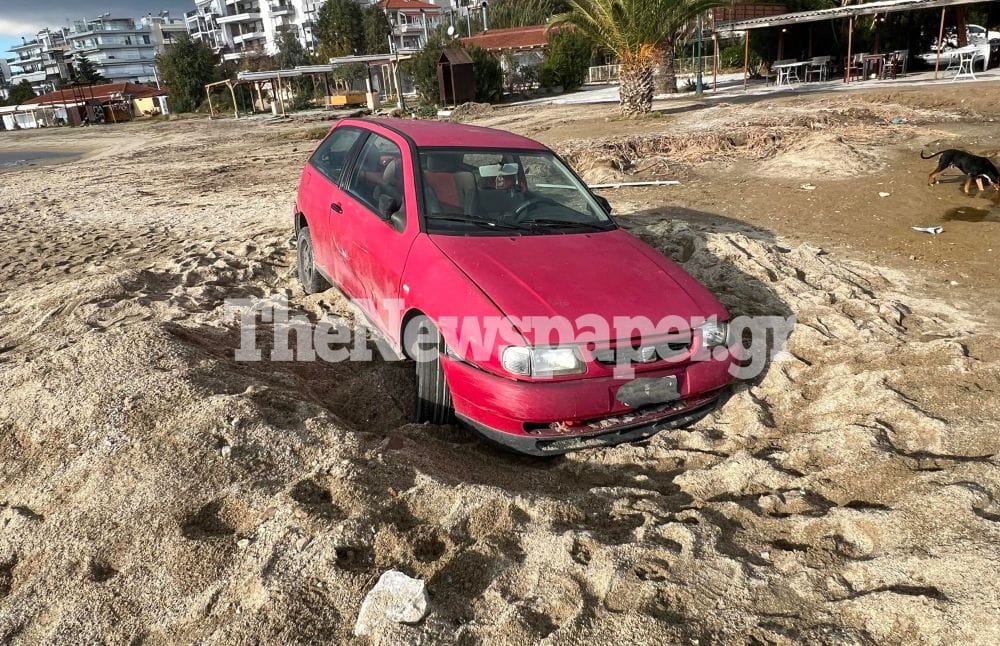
{"type": "Point", "coordinates": [785, 71]}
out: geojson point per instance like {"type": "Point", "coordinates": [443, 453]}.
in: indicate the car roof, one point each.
{"type": "Point", "coordinates": [443, 134]}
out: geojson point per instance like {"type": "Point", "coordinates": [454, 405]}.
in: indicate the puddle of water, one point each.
{"type": "Point", "coordinates": [968, 214]}
{"type": "Point", "coordinates": [15, 158]}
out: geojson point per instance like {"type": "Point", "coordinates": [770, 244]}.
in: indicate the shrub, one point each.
{"type": "Point", "coordinates": [422, 68]}
{"type": "Point", "coordinates": [567, 60]}
{"type": "Point", "coordinates": [488, 73]}
{"type": "Point", "coordinates": [732, 56]}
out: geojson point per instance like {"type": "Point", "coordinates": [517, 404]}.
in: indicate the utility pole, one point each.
{"type": "Point", "coordinates": [701, 61]}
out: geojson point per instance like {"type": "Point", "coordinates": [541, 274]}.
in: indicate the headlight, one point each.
{"type": "Point", "coordinates": [543, 362]}
{"type": "Point", "coordinates": [714, 334]}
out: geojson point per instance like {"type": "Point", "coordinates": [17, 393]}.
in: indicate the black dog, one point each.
{"type": "Point", "coordinates": [975, 168]}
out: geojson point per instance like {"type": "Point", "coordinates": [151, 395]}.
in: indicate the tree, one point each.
{"type": "Point", "coordinates": [488, 75]}
{"type": "Point", "coordinates": [338, 29]}
{"type": "Point", "coordinates": [85, 72]}
{"type": "Point", "coordinates": [504, 14]}
{"type": "Point", "coordinates": [567, 59]}
{"type": "Point", "coordinates": [21, 93]}
{"type": "Point", "coordinates": [291, 53]}
{"type": "Point", "coordinates": [375, 30]}
{"type": "Point", "coordinates": [422, 68]}
{"type": "Point", "coordinates": [639, 32]}
{"type": "Point", "coordinates": [185, 69]}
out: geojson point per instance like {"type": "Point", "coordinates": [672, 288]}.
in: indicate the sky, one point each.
{"type": "Point", "coordinates": [25, 17]}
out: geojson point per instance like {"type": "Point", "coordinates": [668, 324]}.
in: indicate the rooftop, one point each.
{"type": "Point", "coordinates": [414, 5]}
{"type": "Point", "coordinates": [513, 38]}
{"type": "Point", "coordinates": [864, 9]}
{"type": "Point", "coordinates": [99, 92]}
{"type": "Point", "coordinates": [442, 134]}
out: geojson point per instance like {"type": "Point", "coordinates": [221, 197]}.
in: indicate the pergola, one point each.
{"type": "Point", "coordinates": [850, 12]}
{"type": "Point", "coordinates": [274, 78]}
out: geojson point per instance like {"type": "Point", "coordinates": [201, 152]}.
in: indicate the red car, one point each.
{"type": "Point", "coordinates": [534, 318]}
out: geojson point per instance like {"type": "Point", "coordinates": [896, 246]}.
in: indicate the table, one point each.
{"type": "Point", "coordinates": [872, 64]}
{"type": "Point", "coordinates": [785, 71]}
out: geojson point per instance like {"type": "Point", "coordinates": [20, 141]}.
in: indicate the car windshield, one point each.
{"type": "Point", "coordinates": [497, 192]}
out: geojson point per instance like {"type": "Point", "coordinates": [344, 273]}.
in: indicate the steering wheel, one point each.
{"type": "Point", "coordinates": [519, 212]}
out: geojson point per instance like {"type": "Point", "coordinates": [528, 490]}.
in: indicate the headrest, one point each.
{"type": "Point", "coordinates": [393, 174]}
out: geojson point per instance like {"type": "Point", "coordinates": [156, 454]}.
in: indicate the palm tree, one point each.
{"type": "Point", "coordinates": [641, 33]}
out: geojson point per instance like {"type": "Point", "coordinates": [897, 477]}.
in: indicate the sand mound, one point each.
{"type": "Point", "coordinates": [155, 487]}
{"type": "Point", "coordinates": [470, 110]}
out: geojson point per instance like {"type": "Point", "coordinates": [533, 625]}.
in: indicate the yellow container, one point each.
{"type": "Point", "coordinates": [348, 98]}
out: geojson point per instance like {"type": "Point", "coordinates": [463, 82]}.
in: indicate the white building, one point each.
{"type": "Point", "coordinates": [41, 61]}
{"type": "Point", "coordinates": [122, 50]}
{"type": "Point", "coordinates": [412, 21]}
{"type": "Point", "coordinates": [163, 30]}
{"type": "Point", "coordinates": [4, 79]}
{"type": "Point", "coordinates": [236, 28]}
{"type": "Point", "coordinates": [240, 27]}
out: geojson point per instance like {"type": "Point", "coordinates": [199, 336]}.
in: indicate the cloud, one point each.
{"type": "Point", "coordinates": [10, 27]}
{"type": "Point", "coordinates": [25, 17]}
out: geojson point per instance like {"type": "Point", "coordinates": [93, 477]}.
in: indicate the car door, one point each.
{"type": "Point", "coordinates": [379, 243]}
{"type": "Point", "coordinates": [323, 196]}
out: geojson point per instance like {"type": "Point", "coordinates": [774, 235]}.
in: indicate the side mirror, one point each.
{"type": "Point", "coordinates": [398, 220]}
{"type": "Point", "coordinates": [605, 204]}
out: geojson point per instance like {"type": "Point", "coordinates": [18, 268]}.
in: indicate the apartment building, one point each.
{"type": "Point", "coordinates": [236, 28]}
{"type": "Point", "coordinates": [412, 21]}
{"type": "Point", "coordinates": [4, 79]}
{"type": "Point", "coordinates": [40, 61]}
{"type": "Point", "coordinates": [123, 50]}
{"type": "Point", "coordinates": [163, 30]}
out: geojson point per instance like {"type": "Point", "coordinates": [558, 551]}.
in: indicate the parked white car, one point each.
{"type": "Point", "coordinates": [978, 33]}
{"type": "Point", "coordinates": [975, 33]}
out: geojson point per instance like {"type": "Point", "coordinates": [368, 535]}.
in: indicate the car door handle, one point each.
{"type": "Point", "coordinates": [336, 207]}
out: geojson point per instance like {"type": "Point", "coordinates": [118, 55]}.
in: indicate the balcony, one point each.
{"type": "Point", "coordinates": [410, 28]}
{"type": "Point", "coordinates": [237, 18]}
{"type": "Point", "coordinates": [282, 10]}
{"type": "Point", "coordinates": [245, 38]}
{"type": "Point", "coordinates": [31, 77]}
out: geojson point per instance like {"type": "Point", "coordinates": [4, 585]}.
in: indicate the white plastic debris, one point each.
{"type": "Point", "coordinates": [808, 187]}
{"type": "Point", "coordinates": [931, 230]}
{"type": "Point", "coordinates": [883, 194]}
{"type": "Point", "coordinates": [395, 597]}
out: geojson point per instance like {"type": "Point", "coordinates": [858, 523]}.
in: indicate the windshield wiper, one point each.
{"type": "Point", "coordinates": [486, 224]}
{"type": "Point", "coordinates": [592, 226]}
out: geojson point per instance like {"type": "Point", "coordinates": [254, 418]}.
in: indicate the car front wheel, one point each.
{"type": "Point", "coordinates": [433, 395]}
{"type": "Point", "coordinates": [310, 278]}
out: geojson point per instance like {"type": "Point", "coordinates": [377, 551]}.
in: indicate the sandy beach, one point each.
{"type": "Point", "coordinates": [153, 490]}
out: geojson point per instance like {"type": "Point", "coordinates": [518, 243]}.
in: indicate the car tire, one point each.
{"type": "Point", "coordinates": [310, 278]}
{"type": "Point", "coordinates": [433, 403]}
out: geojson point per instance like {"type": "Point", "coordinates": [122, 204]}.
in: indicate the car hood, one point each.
{"type": "Point", "coordinates": [608, 274]}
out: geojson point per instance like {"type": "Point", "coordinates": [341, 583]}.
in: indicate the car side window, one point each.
{"type": "Point", "coordinates": [332, 155]}
{"type": "Point", "coordinates": [378, 176]}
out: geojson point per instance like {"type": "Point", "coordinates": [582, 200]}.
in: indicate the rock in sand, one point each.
{"type": "Point", "coordinates": [397, 598]}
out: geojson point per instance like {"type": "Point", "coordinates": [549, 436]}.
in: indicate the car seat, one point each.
{"type": "Point", "coordinates": [391, 184]}
{"type": "Point", "coordinates": [451, 187]}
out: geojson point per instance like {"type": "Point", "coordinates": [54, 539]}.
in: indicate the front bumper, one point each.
{"type": "Point", "coordinates": [542, 445]}
{"type": "Point", "coordinates": [552, 417]}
